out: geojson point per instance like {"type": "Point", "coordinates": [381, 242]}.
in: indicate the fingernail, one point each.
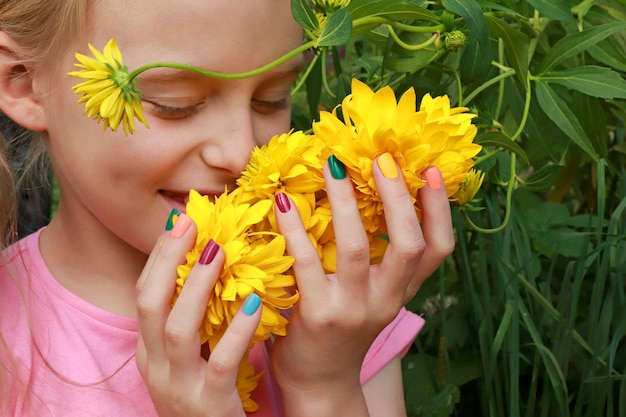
{"type": "Point", "coordinates": [181, 226]}
{"type": "Point", "coordinates": [282, 201]}
{"type": "Point", "coordinates": [209, 252]}
{"type": "Point", "coordinates": [337, 168]}
{"type": "Point", "coordinates": [433, 178]}
{"type": "Point", "coordinates": [171, 219]}
{"type": "Point", "coordinates": [387, 166]}
{"type": "Point", "coordinates": [251, 305]}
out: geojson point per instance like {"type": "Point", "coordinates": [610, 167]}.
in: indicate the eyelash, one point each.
{"type": "Point", "coordinates": [270, 106]}
{"type": "Point", "coordinates": [167, 112]}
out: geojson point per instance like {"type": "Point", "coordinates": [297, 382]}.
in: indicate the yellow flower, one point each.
{"type": "Point", "coordinates": [108, 93]}
{"type": "Point", "coordinates": [468, 189]}
{"type": "Point", "coordinates": [254, 262]}
{"type": "Point", "coordinates": [290, 163]}
{"type": "Point", "coordinates": [374, 123]}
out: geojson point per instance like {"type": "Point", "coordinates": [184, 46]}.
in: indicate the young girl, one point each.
{"type": "Point", "coordinates": [76, 317]}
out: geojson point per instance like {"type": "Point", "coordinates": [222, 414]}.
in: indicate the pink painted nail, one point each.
{"type": "Point", "coordinates": [209, 252]}
{"type": "Point", "coordinates": [282, 201]}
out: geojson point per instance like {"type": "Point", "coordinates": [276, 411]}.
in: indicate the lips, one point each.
{"type": "Point", "coordinates": [177, 200]}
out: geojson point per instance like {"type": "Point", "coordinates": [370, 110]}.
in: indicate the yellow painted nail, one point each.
{"type": "Point", "coordinates": [387, 166]}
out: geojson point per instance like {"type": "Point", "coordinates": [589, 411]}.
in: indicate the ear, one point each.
{"type": "Point", "coordinates": [18, 97]}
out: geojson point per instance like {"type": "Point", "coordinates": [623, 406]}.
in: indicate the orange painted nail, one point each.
{"type": "Point", "coordinates": [433, 178]}
{"type": "Point", "coordinates": [181, 226]}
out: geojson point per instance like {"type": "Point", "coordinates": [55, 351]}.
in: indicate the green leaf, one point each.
{"type": "Point", "coordinates": [337, 30]}
{"type": "Point", "coordinates": [475, 63]}
{"type": "Point", "coordinates": [470, 11]}
{"type": "Point", "coordinates": [556, 109]}
{"type": "Point", "coordinates": [500, 140]}
{"type": "Point", "coordinates": [591, 80]}
{"type": "Point", "coordinates": [393, 9]}
{"type": "Point", "coordinates": [304, 15]}
{"type": "Point", "coordinates": [611, 53]}
{"type": "Point", "coordinates": [554, 9]}
{"type": "Point", "coordinates": [578, 42]}
{"type": "Point", "coordinates": [542, 179]}
{"type": "Point", "coordinates": [516, 46]}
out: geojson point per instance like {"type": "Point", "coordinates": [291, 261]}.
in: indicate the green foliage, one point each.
{"type": "Point", "coordinates": [527, 318]}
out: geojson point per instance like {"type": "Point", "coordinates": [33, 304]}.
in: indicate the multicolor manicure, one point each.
{"type": "Point", "coordinates": [337, 168]}
{"type": "Point", "coordinates": [282, 201]}
{"type": "Point", "coordinates": [171, 219]}
{"type": "Point", "coordinates": [251, 305]}
{"type": "Point", "coordinates": [209, 252]}
{"type": "Point", "coordinates": [181, 226]}
{"type": "Point", "coordinates": [433, 178]}
{"type": "Point", "coordinates": [387, 166]}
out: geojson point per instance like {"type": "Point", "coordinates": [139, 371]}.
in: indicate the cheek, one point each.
{"type": "Point", "coordinates": [267, 126]}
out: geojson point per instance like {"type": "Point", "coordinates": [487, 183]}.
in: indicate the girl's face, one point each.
{"type": "Point", "coordinates": [201, 129]}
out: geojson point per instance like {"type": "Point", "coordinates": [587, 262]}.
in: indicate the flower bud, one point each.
{"type": "Point", "coordinates": [454, 40]}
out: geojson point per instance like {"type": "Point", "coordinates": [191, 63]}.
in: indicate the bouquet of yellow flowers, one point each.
{"type": "Point", "coordinates": [372, 123]}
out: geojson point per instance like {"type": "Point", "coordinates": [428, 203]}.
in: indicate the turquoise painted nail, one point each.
{"type": "Point", "coordinates": [170, 220]}
{"type": "Point", "coordinates": [337, 168]}
{"type": "Point", "coordinates": [251, 305]}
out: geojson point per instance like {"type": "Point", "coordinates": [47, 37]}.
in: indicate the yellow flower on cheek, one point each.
{"type": "Point", "coordinates": [108, 93]}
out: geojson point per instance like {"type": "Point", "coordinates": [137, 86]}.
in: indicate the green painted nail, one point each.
{"type": "Point", "coordinates": [170, 220]}
{"type": "Point", "coordinates": [337, 168]}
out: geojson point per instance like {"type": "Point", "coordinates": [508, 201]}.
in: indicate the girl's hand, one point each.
{"type": "Point", "coordinates": [338, 316]}
{"type": "Point", "coordinates": [181, 382]}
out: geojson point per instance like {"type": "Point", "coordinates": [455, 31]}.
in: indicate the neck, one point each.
{"type": "Point", "coordinates": [93, 263]}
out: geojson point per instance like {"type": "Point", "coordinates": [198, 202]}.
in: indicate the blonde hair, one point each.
{"type": "Point", "coordinates": [40, 30]}
{"type": "Point", "coordinates": [8, 199]}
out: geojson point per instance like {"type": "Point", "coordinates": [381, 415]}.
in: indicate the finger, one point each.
{"type": "Point", "coordinates": [353, 252]}
{"type": "Point", "coordinates": [406, 241]}
{"type": "Point", "coordinates": [155, 250]}
{"type": "Point", "coordinates": [151, 259]}
{"type": "Point", "coordinates": [182, 338]}
{"type": "Point", "coordinates": [159, 281]}
{"type": "Point", "coordinates": [223, 364]}
{"type": "Point", "coordinates": [307, 265]}
{"type": "Point", "coordinates": [436, 224]}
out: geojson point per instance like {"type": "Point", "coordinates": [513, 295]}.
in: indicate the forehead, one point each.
{"type": "Point", "coordinates": [221, 35]}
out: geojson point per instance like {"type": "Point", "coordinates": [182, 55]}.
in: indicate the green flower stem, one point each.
{"type": "Point", "coordinates": [376, 20]}
{"type": "Point", "coordinates": [327, 88]}
{"type": "Point", "coordinates": [487, 156]}
{"type": "Point", "coordinates": [509, 73]}
{"type": "Point", "coordinates": [409, 47]}
{"type": "Point", "coordinates": [509, 203]}
{"type": "Point", "coordinates": [222, 75]}
{"type": "Point", "coordinates": [305, 75]}
{"type": "Point", "coordinates": [522, 123]}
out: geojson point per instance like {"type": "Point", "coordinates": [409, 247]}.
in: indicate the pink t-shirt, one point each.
{"type": "Point", "coordinates": [72, 359]}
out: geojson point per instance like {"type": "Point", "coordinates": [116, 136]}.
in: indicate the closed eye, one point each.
{"type": "Point", "coordinates": [170, 113]}
{"type": "Point", "coordinates": [270, 106]}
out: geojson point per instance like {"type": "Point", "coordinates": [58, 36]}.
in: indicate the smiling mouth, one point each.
{"type": "Point", "coordinates": [176, 199]}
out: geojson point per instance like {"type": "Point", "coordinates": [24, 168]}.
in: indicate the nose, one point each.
{"type": "Point", "coordinates": [229, 137]}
